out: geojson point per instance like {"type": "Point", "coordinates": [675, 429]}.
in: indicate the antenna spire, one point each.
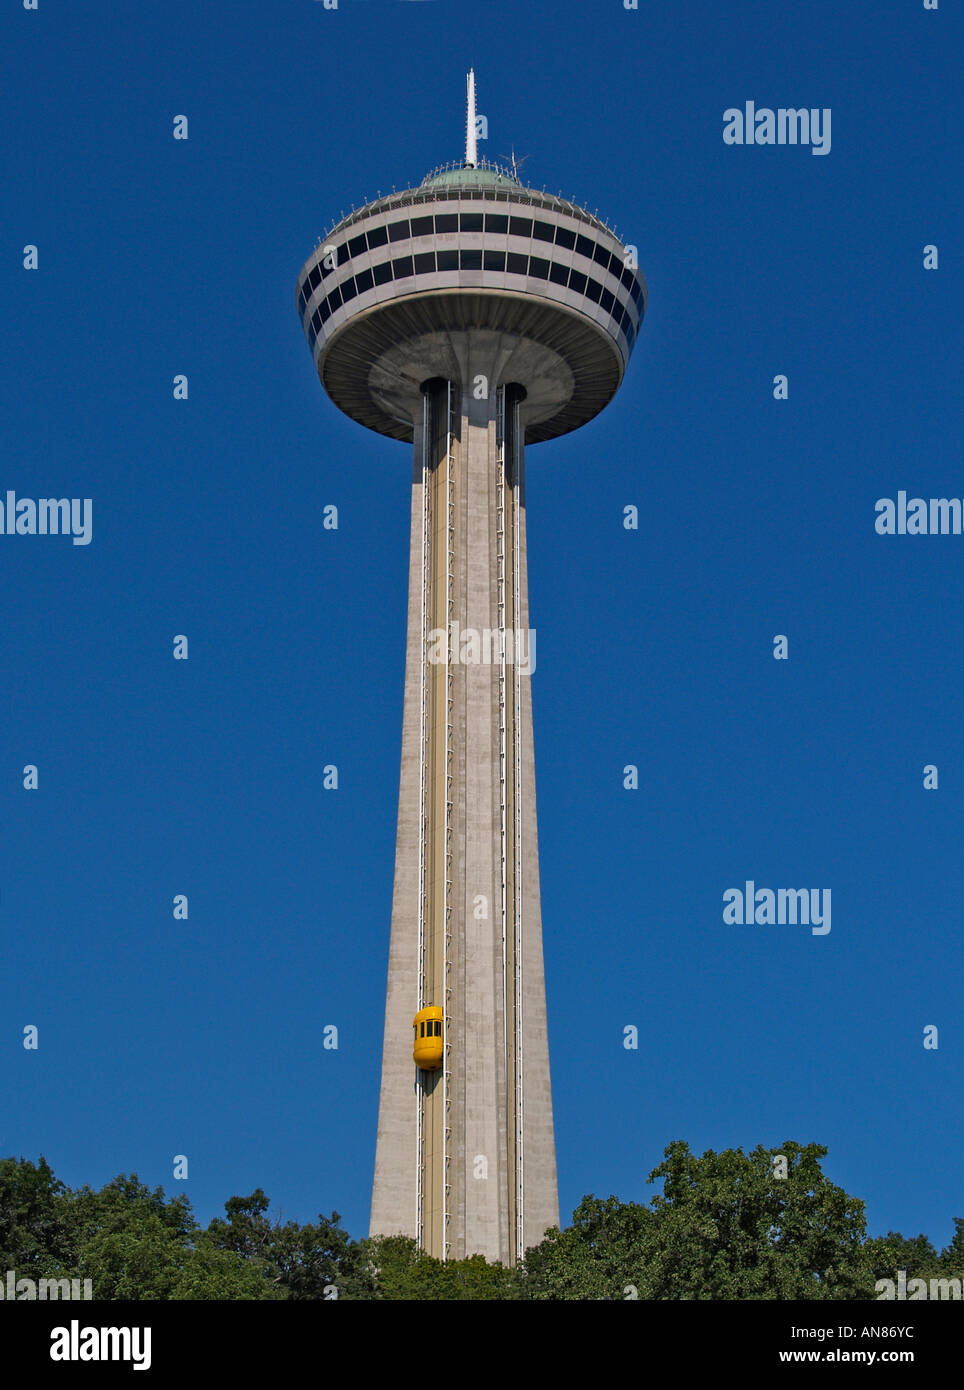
{"type": "Point", "coordinates": [471, 148]}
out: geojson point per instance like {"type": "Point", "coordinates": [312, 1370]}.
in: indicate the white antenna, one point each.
{"type": "Point", "coordinates": [471, 148]}
{"type": "Point", "coordinates": [516, 163]}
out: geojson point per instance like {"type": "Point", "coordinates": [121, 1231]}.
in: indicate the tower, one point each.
{"type": "Point", "coordinates": [471, 316]}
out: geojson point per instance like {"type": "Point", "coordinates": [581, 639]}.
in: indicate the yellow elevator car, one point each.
{"type": "Point", "coordinates": [428, 1038]}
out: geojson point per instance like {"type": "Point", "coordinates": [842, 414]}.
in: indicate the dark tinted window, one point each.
{"type": "Point", "coordinates": [495, 260]}
{"type": "Point", "coordinates": [543, 231]}
{"type": "Point", "coordinates": [559, 274]}
{"type": "Point", "coordinates": [448, 260]}
{"type": "Point", "coordinates": [316, 320]}
{"type": "Point", "coordinates": [520, 226]}
{"type": "Point", "coordinates": [577, 282]}
{"type": "Point", "coordinates": [334, 299]}
{"type": "Point", "coordinates": [314, 279]}
{"type": "Point", "coordinates": [312, 337]}
{"type": "Point", "coordinates": [325, 310]}
{"type": "Point", "coordinates": [447, 222]}
{"type": "Point", "coordinates": [496, 222]}
{"type": "Point", "coordinates": [398, 231]}
{"type": "Point", "coordinates": [422, 226]}
{"type": "Point", "coordinates": [348, 290]}
{"type": "Point", "coordinates": [593, 289]}
{"type": "Point", "coordinates": [356, 246]}
{"type": "Point", "coordinates": [635, 291]}
{"type": "Point", "coordinates": [584, 246]}
{"type": "Point", "coordinates": [438, 1027]}
{"type": "Point", "coordinates": [470, 260]}
{"type": "Point", "coordinates": [377, 236]}
{"type": "Point", "coordinates": [515, 263]}
{"type": "Point", "coordinates": [383, 272]}
{"type": "Point", "coordinates": [601, 256]}
{"type": "Point", "coordinates": [564, 237]}
{"type": "Point", "coordinates": [422, 1026]}
{"type": "Point", "coordinates": [539, 267]}
{"type": "Point", "coordinates": [402, 267]}
{"type": "Point", "coordinates": [628, 277]}
{"type": "Point", "coordinates": [607, 300]}
{"type": "Point", "coordinates": [424, 262]}
{"type": "Point", "coordinates": [470, 222]}
{"type": "Point", "coordinates": [364, 281]}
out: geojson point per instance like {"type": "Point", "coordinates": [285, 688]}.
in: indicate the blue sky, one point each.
{"type": "Point", "coordinates": [157, 777]}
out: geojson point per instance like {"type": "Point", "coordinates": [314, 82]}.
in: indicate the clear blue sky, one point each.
{"type": "Point", "coordinates": [157, 777]}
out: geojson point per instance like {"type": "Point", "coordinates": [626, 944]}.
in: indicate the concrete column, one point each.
{"type": "Point", "coordinates": [487, 1143]}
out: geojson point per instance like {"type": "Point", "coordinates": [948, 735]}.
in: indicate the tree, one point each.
{"type": "Point", "coordinates": [298, 1262]}
{"type": "Point", "coordinates": [724, 1227]}
{"type": "Point", "coordinates": [33, 1240]}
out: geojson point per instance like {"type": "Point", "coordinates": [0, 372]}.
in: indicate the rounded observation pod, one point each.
{"type": "Point", "coordinates": [428, 1050]}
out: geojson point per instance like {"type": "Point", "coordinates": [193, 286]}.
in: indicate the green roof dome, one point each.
{"type": "Point", "coordinates": [466, 176]}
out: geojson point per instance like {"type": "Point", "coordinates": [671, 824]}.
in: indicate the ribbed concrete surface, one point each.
{"type": "Point", "coordinates": [489, 1172]}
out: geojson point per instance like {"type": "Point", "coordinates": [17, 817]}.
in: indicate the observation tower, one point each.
{"type": "Point", "coordinates": [469, 316]}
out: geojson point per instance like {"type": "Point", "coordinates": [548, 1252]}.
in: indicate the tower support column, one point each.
{"type": "Point", "coordinates": [465, 1159]}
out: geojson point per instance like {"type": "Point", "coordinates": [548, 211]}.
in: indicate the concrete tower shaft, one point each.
{"type": "Point", "coordinates": [465, 1158]}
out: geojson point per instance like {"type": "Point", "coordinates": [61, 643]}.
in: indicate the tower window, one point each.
{"type": "Point", "coordinates": [584, 247]}
{"type": "Point", "coordinates": [377, 236]}
{"type": "Point", "coordinates": [495, 260]}
{"type": "Point", "coordinates": [496, 222]}
{"type": "Point", "coordinates": [470, 222]}
{"type": "Point", "coordinates": [402, 267]}
{"type": "Point", "coordinates": [383, 272]}
{"type": "Point", "coordinates": [559, 274]}
{"type": "Point", "coordinates": [398, 231]}
{"type": "Point", "coordinates": [425, 263]}
{"type": "Point", "coordinates": [520, 226]}
{"type": "Point", "coordinates": [516, 264]}
{"type": "Point", "coordinates": [447, 222]}
{"type": "Point", "coordinates": [564, 237]}
{"type": "Point", "coordinates": [422, 226]}
{"type": "Point", "coordinates": [543, 231]}
{"type": "Point", "coordinates": [577, 282]}
{"type": "Point", "coordinates": [448, 260]}
{"type": "Point", "coordinates": [470, 260]}
{"type": "Point", "coordinates": [539, 267]}
{"type": "Point", "coordinates": [357, 247]}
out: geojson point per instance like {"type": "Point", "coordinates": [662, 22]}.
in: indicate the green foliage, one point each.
{"type": "Point", "coordinates": [724, 1226]}
{"type": "Point", "coordinates": [393, 1267]}
{"type": "Point", "coordinates": [296, 1261]}
{"type": "Point", "coordinates": [32, 1238]}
